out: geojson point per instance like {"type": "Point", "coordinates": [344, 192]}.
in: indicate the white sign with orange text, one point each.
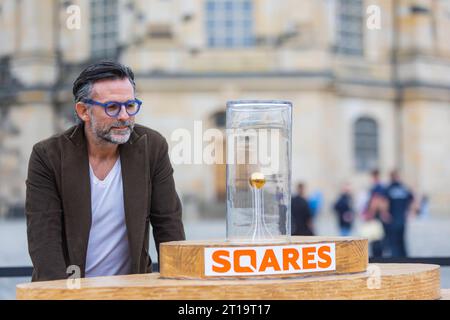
{"type": "Point", "coordinates": [269, 260]}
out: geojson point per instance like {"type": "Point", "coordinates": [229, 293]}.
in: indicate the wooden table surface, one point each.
{"type": "Point", "coordinates": [381, 281]}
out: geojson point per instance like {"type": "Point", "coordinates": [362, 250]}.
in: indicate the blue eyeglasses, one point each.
{"type": "Point", "coordinates": [113, 108]}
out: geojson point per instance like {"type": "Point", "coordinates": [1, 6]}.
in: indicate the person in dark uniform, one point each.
{"type": "Point", "coordinates": [400, 199]}
{"type": "Point", "coordinates": [343, 207]}
{"type": "Point", "coordinates": [301, 217]}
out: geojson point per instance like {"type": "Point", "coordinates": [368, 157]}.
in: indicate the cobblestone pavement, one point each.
{"type": "Point", "coordinates": [427, 237]}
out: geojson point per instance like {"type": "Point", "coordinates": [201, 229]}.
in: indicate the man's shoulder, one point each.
{"type": "Point", "coordinates": [298, 199]}
{"type": "Point", "coordinates": [141, 130]}
{"type": "Point", "coordinates": [155, 139]}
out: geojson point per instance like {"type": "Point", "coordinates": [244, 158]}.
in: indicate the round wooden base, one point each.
{"type": "Point", "coordinates": [380, 281]}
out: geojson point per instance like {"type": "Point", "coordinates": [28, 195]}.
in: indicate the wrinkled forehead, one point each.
{"type": "Point", "coordinates": [112, 90]}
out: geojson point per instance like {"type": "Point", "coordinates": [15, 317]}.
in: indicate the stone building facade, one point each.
{"type": "Point", "coordinates": [369, 80]}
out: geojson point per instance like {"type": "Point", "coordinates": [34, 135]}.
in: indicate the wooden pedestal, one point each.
{"type": "Point", "coordinates": [185, 259]}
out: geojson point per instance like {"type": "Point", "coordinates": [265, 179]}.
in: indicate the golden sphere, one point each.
{"type": "Point", "coordinates": [257, 180]}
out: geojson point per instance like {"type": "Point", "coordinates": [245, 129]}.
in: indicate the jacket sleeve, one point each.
{"type": "Point", "coordinates": [165, 211]}
{"type": "Point", "coordinates": [44, 219]}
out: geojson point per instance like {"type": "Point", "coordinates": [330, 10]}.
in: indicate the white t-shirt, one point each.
{"type": "Point", "coordinates": [108, 250]}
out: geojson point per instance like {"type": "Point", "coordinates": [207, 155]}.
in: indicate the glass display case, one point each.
{"type": "Point", "coordinates": [258, 170]}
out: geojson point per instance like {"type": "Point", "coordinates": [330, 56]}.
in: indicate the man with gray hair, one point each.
{"type": "Point", "coordinates": [93, 190]}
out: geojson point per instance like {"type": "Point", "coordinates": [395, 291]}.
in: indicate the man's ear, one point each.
{"type": "Point", "coordinates": [82, 111]}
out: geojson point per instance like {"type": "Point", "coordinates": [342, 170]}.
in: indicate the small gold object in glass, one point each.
{"type": "Point", "coordinates": [257, 180]}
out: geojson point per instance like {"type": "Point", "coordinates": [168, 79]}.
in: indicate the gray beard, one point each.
{"type": "Point", "coordinates": [109, 135]}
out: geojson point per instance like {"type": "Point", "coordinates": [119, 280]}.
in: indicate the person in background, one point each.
{"type": "Point", "coordinates": [377, 208]}
{"type": "Point", "coordinates": [301, 218]}
{"type": "Point", "coordinates": [423, 207]}
{"type": "Point", "coordinates": [400, 199]}
{"type": "Point", "coordinates": [343, 207]}
{"type": "Point", "coordinates": [282, 208]}
{"type": "Point", "coordinates": [315, 201]}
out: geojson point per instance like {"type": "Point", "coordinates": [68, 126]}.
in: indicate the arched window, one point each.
{"type": "Point", "coordinates": [366, 153]}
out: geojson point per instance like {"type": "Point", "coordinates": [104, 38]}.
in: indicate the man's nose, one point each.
{"type": "Point", "coordinates": [123, 115]}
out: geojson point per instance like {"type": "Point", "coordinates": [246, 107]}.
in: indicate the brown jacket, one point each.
{"type": "Point", "coordinates": [58, 200]}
